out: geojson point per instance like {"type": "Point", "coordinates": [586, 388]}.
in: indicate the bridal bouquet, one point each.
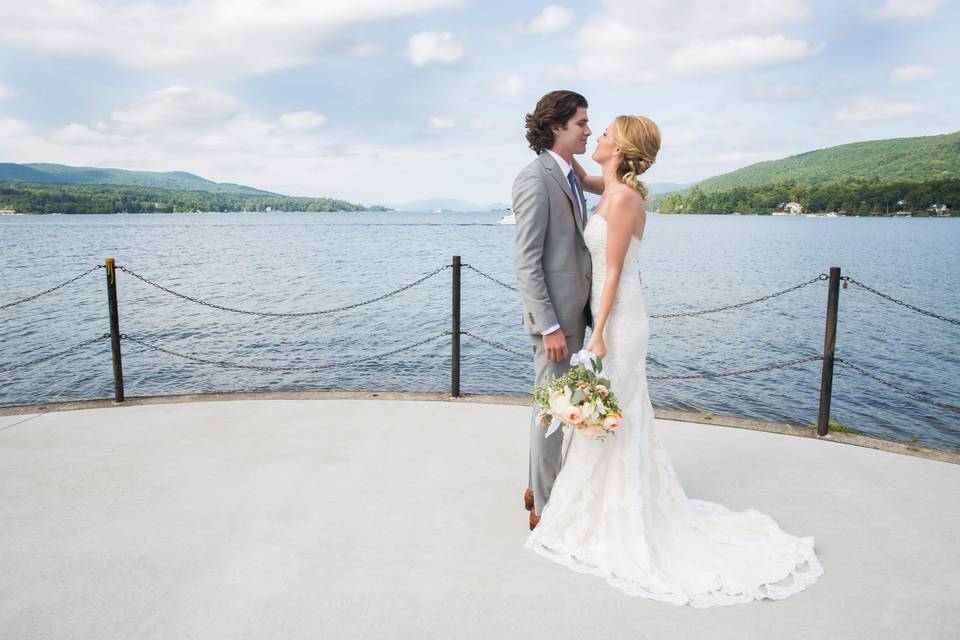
{"type": "Point", "coordinates": [579, 398]}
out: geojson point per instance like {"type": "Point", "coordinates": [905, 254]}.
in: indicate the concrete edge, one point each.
{"type": "Point", "coordinates": [664, 413]}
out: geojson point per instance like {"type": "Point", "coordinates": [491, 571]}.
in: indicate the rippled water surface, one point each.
{"type": "Point", "coordinates": [290, 262]}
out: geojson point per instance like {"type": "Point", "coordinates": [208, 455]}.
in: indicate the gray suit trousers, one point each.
{"type": "Point", "coordinates": [545, 453]}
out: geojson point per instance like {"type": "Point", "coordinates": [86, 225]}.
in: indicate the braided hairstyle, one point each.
{"type": "Point", "coordinates": [638, 138]}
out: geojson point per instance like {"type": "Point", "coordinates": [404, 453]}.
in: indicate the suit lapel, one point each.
{"type": "Point", "coordinates": [553, 169]}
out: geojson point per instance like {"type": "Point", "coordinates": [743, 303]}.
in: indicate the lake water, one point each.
{"type": "Point", "coordinates": [301, 262]}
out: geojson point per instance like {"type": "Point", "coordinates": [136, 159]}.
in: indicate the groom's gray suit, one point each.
{"type": "Point", "coordinates": [553, 272]}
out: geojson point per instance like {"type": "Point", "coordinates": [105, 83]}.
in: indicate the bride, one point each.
{"type": "Point", "coordinates": [617, 509]}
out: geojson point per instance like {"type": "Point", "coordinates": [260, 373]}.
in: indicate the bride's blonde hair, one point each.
{"type": "Point", "coordinates": [638, 138]}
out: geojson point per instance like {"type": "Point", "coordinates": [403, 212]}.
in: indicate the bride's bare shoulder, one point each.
{"type": "Point", "coordinates": [626, 202]}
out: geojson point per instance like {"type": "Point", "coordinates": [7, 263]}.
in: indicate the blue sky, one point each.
{"type": "Point", "coordinates": [383, 101]}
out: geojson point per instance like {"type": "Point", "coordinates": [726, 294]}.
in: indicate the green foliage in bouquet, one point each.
{"type": "Point", "coordinates": [583, 385]}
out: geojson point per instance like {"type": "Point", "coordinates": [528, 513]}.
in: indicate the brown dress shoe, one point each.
{"type": "Point", "coordinates": [528, 500]}
{"type": "Point", "coordinates": [534, 520]}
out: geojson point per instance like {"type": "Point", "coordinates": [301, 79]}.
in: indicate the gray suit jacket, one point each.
{"type": "Point", "coordinates": [550, 257]}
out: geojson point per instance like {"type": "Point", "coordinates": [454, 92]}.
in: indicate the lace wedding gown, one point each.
{"type": "Point", "coordinates": [617, 509]}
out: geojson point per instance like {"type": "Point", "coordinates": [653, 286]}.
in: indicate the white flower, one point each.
{"type": "Point", "coordinates": [560, 405]}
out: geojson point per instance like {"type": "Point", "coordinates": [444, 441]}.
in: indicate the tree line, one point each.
{"type": "Point", "coordinates": [25, 197]}
{"type": "Point", "coordinates": [853, 196]}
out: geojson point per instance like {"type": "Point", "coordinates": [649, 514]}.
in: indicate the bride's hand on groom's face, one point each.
{"type": "Point", "coordinates": [597, 346]}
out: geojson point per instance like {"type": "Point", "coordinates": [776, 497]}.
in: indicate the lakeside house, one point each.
{"type": "Point", "coordinates": [789, 209]}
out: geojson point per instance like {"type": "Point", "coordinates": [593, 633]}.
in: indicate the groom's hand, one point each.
{"type": "Point", "coordinates": [555, 345]}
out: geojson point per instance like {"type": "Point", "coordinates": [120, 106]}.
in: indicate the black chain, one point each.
{"type": "Point", "coordinates": [495, 345]}
{"type": "Point", "coordinates": [742, 372]}
{"type": "Point", "coordinates": [922, 397]}
{"type": "Point", "coordinates": [234, 365]}
{"type": "Point", "coordinates": [489, 277]}
{"type": "Point", "coordinates": [75, 347]}
{"type": "Point", "coordinates": [300, 314]}
{"type": "Point", "coordinates": [52, 289]}
{"type": "Point", "coordinates": [818, 278]}
{"type": "Point", "coordinates": [900, 302]}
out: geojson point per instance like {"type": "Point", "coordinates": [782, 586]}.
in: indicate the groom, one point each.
{"type": "Point", "coordinates": [552, 263]}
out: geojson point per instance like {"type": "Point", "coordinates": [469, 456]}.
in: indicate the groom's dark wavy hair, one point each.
{"type": "Point", "coordinates": [555, 108]}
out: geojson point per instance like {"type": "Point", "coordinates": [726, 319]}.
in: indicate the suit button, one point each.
{"type": "Point", "coordinates": [589, 275]}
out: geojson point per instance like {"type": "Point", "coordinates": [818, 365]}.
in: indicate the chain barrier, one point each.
{"type": "Point", "coordinates": [75, 347]}
{"type": "Point", "coordinates": [495, 345]}
{"type": "Point", "coordinates": [922, 397]}
{"type": "Point", "coordinates": [662, 316]}
{"type": "Point", "coordinates": [900, 302]}
{"type": "Point", "coordinates": [489, 277]}
{"type": "Point", "coordinates": [52, 289]}
{"type": "Point", "coordinates": [331, 365]}
{"type": "Point", "coordinates": [742, 372]}
{"type": "Point", "coordinates": [299, 314]}
{"type": "Point", "coordinates": [722, 374]}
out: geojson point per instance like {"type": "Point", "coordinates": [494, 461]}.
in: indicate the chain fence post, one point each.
{"type": "Point", "coordinates": [829, 346]}
{"type": "Point", "coordinates": [114, 329]}
{"type": "Point", "coordinates": [455, 330]}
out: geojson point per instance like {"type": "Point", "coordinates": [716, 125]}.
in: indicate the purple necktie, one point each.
{"type": "Point", "coordinates": [575, 188]}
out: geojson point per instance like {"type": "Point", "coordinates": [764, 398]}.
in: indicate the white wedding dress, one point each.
{"type": "Point", "coordinates": [617, 509]}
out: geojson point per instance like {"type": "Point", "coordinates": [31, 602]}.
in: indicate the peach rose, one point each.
{"type": "Point", "coordinates": [611, 422]}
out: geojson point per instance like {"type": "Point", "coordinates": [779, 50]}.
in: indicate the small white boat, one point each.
{"type": "Point", "coordinates": [510, 218]}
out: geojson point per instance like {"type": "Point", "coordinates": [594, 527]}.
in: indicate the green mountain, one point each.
{"type": "Point", "coordinates": [27, 197]}
{"type": "Point", "coordinates": [896, 160]}
{"type": "Point", "coordinates": [920, 175]}
{"type": "Point", "coordinates": [172, 180]}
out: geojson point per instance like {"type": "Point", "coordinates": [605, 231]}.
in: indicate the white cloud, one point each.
{"type": "Point", "coordinates": [552, 18]}
{"type": "Point", "coordinates": [12, 127]}
{"type": "Point", "coordinates": [196, 37]}
{"type": "Point", "coordinates": [79, 134]}
{"type": "Point", "coordinates": [738, 158]}
{"type": "Point", "coordinates": [434, 46]}
{"type": "Point", "coordinates": [741, 52]}
{"type": "Point", "coordinates": [368, 49]}
{"type": "Point", "coordinates": [441, 122]}
{"type": "Point", "coordinates": [213, 141]}
{"type": "Point", "coordinates": [681, 139]}
{"type": "Point", "coordinates": [877, 109]}
{"type": "Point", "coordinates": [904, 75]}
{"type": "Point", "coordinates": [644, 42]}
{"type": "Point", "coordinates": [175, 108]}
{"type": "Point", "coordinates": [302, 120]}
{"type": "Point", "coordinates": [6, 92]}
{"type": "Point", "coordinates": [905, 10]}
{"type": "Point", "coordinates": [781, 91]}
{"type": "Point", "coordinates": [511, 86]}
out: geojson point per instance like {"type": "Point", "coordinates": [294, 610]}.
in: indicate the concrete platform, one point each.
{"type": "Point", "coordinates": [403, 519]}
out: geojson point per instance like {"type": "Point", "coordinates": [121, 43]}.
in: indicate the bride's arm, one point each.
{"type": "Point", "coordinates": [620, 225]}
{"type": "Point", "coordinates": [593, 184]}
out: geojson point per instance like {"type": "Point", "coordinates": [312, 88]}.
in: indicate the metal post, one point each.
{"type": "Point", "coordinates": [114, 329]}
{"type": "Point", "coordinates": [455, 329]}
{"type": "Point", "coordinates": [829, 345]}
